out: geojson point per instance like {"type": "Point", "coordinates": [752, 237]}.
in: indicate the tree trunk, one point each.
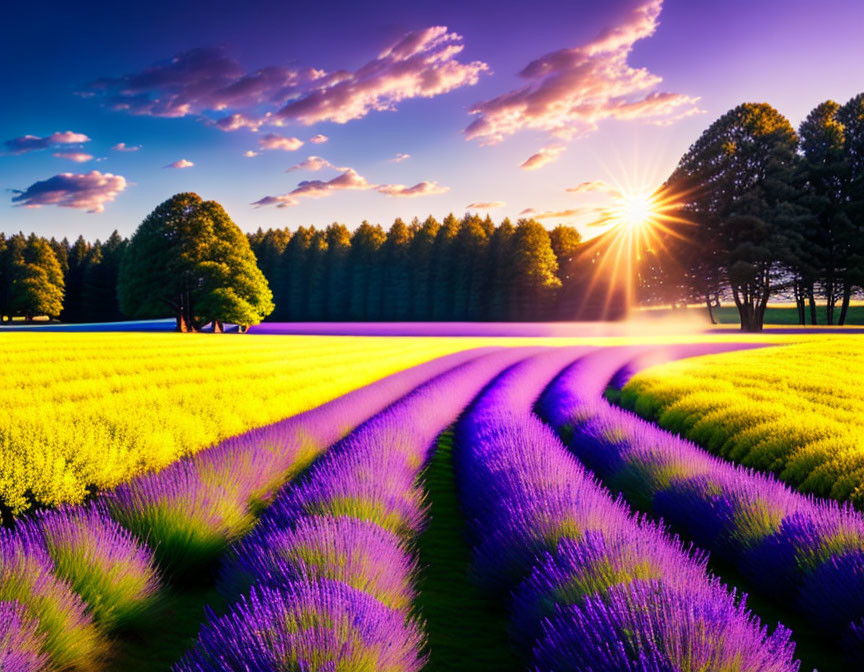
{"type": "Point", "coordinates": [844, 308]}
{"type": "Point", "coordinates": [811, 298]}
{"type": "Point", "coordinates": [799, 304]}
{"type": "Point", "coordinates": [710, 308]}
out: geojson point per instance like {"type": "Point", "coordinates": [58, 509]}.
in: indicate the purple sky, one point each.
{"type": "Point", "coordinates": [293, 115]}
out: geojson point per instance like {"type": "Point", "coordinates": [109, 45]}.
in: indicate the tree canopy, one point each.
{"type": "Point", "coordinates": [188, 257]}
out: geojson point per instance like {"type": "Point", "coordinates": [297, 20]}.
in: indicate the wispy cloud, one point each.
{"type": "Point", "coordinates": [542, 157]}
{"type": "Point", "coordinates": [528, 211]}
{"type": "Point", "coordinates": [250, 153]}
{"type": "Point", "coordinates": [562, 214]}
{"type": "Point", "coordinates": [420, 189]}
{"type": "Point", "coordinates": [485, 205]}
{"type": "Point", "coordinates": [83, 191]}
{"type": "Point", "coordinates": [399, 158]}
{"type": "Point", "coordinates": [123, 147]}
{"type": "Point", "coordinates": [318, 139]}
{"type": "Point", "coordinates": [180, 163]}
{"type": "Point", "coordinates": [422, 64]}
{"type": "Point", "coordinates": [275, 141]}
{"type": "Point", "coordinates": [313, 163]}
{"type": "Point", "coordinates": [77, 157]}
{"type": "Point", "coordinates": [593, 185]}
{"type": "Point", "coordinates": [32, 143]}
{"type": "Point", "coordinates": [348, 179]}
{"type": "Point", "coordinates": [570, 91]}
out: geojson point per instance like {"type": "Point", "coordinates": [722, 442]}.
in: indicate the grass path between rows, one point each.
{"type": "Point", "coordinates": [466, 630]}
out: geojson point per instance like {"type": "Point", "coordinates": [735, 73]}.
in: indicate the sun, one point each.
{"type": "Point", "coordinates": [634, 210]}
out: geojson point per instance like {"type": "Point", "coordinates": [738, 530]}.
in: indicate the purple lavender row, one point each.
{"type": "Point", "coordinates": [593, 587]}
{"type": "Point", "coordinates": [76, 574]}
{"type": "Point", "coordinates": [191, 511]}
{"type": "Point", "coordinates": [20, 644]}
{"type": "Point", "coordinates": [804, 553]}
{"type": "Point", "coordinates": [327, 578]}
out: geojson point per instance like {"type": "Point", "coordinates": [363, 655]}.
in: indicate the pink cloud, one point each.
{"type": "Point", "coordinates": [420, 189]}
{"type": "Point", "coordinates": [542, 157]}
{"type": "Point", "coordinates": [77, 157]}
{"type": "Point", "coordinates": [570, 91]}
{"type": "Point", "coordinates": [485, 205]}
{"type": "Point", "coordinates": [528, 211]}
{"type": "Point", "coordinates": [31, 143]}
{"type": "Point", "coordinates": [313, 163]}
{"type": "Point", "coordinates": [83, 191]}
{"type": "Point", "coordinates": [318, 139]}
{"type": "Point", "coordinates": [123, 147]}
{"type": "Point", "coordinates": [423, 64]}
{"type": "Point", "coordinates": [275, 141]}
{"type": "Point", "coordinates": [250, 153]}
{"type": "Point", "coordinates": [400, 157]}
{"type": "Point", "coordinates": [563, 214]}
{"type": "Point", "coordinates": [348, 179]}
{"type": "Point", "coordinates": [592, 186]}
{"type": "Point", "coordinates": [180, 163]}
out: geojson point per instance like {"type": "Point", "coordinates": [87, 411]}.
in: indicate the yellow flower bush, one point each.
{"type": "Point", "coordinates": [794, 410]}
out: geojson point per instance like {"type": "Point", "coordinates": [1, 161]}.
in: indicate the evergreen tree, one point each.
{"type": "Point", "coordinates": [499, 272]}
{"type": "Point", "coordinates": [421, 251]}
{"type": "Point", "coordinates": [469, 251]}
{"type": "Point", "coordinates": [338, 250]}
{"type": "Point", "coordinates": [396, 261]}
{"type": "Point", "coordinates": [365, 299]}
{"type": "Point", "coordinates": [851, 115]}
{"type": "Point", "coordinates": [74, 309]}
{"type": "Point", "coordinates": [291, 279]}
{"type": "Point", "coordinates": [100, 280]}
{"type": "Point", "coordinates": [535, 270]}
{"type": "Point", "coordinates": [443, 268]}
{"type": "Point", "coordinates": [316, 277]}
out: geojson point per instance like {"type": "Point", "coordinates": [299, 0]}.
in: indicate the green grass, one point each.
{"type": "Point", "coordinates": [466, 630]}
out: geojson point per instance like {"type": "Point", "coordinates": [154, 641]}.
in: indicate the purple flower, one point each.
{"type": "Point", "coordinates": [20, 643]}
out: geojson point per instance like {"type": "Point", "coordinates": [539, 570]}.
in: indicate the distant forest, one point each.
{"type": "Point", "coordinates": [459, 269]}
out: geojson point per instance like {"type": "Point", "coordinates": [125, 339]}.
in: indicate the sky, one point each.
{"type": "Point", "coordinates": [295, 114]}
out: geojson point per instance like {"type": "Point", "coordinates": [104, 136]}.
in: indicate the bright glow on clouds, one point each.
{"type": "Point", "coordinates": [400, 157]}
{"type": "Point", "coordinates": [123, 147]}
{"type": "Point", "coordinates": [420, 189]}
{"type": "Point", "coordinates": [31, 143]}
{"type": "Point", "coordinates": [593, 185]}
{"type": "Point", "coordinates": [541, 158]}
{"type": "Point", "coordinates": [83, 191]}
{"type": "Point", "coordinates": [570, 91]}
{"type": "Point", "coordinates": [180, 163]}
{"type": "Point", "coordinates": [318, 139]}
{"type": "Point", "coordinates": [77, 157]}
{"type": "Point", "coordinates": [561, 214]}
{"type": "Point", "coordinates": [276, 141]}
{"type": "Point", "coordinates": [249, 153]}
{"type": "Point", "coordinates": [423, 64]}
{"type": "Point", "coordinates": [484, 205]}
{"type": "Point", "coordinates": [347, 179]}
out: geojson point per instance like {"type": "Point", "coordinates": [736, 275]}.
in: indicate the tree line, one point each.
{"type": "Point", "coordinates": [457, 269]}
{"type": "Point", "coordinates": [766, 212]}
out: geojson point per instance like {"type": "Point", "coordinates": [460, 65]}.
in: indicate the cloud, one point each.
{"type": "Point", "coordinates": [276, 141]}
{"type": "Point", "coordinates": [31, 143]}
{"type": "Point", "coordinates": [562, 214]}
{"type": "Point", "coordinates": [485, 205]}
{"type": "Point", "coordinates": [203, 81]}
{"type": "Point", "coordinates": [528, 211]}
{"type": "Point", "coordinates": [180, 163]}
{"type": "Point", "coordinates": [123, 147]}
{"type": "Point", "coordinates": [249, 153]}
{"type": "Point", "coordinates": [570, 91]}
{"type": "Point", "coordinates": [77, 157]}
{"type": "Point", "coordinates": [83, 191]}
{"type": "Point", "coordinates": [318, 139]}
{"type": "Point", "coordinates": [594, 186]}
{"type": "Point", "coordinates": [420, 189]}
{"type": "Point", "coordinates": [542, 157]}
{"type": "Point", "coordinates": [313, 163]}
{"type": "Point", "coordinates": [400, 157]}
{"type": "Point", "coordinates": [347, 179]}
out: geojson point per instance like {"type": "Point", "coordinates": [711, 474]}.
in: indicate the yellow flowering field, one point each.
{"type": "Point", "coordinates": [795, 410]}
{"type": "Point", "coordinates": [96, 409]}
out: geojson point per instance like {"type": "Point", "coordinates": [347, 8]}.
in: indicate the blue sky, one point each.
{"type": "Point", "coordinates": [617, 92]}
